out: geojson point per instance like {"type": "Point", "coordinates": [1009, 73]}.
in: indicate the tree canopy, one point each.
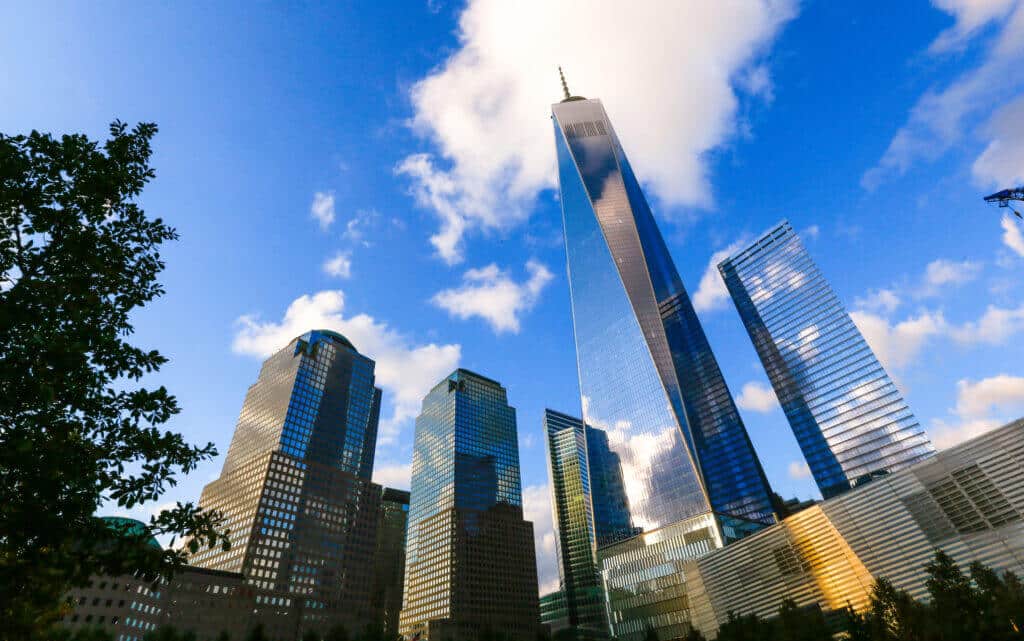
{"type": "Point", "coordinates": [78, 429]}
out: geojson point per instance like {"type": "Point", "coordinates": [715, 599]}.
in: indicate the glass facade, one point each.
{"type": "Point", "coordinates": [848, 417]}
{"type": "Point", "coordinates": [648, 377]}
{"type": "Point", "coordinates": [295, 489]}
{"type": "Point", "coordinates": [470, 562]}
{"type": "Point", "coordinates": [574, 525]}
{"type": "Point", "coordinates": [389, 572]}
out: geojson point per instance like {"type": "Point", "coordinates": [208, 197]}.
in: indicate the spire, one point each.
{"type": "Point", "coordinates": [565, 87]}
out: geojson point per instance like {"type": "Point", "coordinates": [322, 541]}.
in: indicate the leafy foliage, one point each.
{"type": "Point", "coordinates": [77, 429]}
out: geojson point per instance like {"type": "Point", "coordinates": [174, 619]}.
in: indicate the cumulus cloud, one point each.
{"type": "Point", "coordinates": [491, 294]}
{"type": "Point", "coordinates": [757, 397]}
{"type": "Point", "coordinates": [405, 371]}
{"type": "Point", "coordinates": [484, 109]}
{"type": "Point", "coordinates": [980, 406]}
{"type": "Point", "coordinates": [322, 208]}
{"type": "Point", "coordinates": [339, 265]}
{"type": "Point", "coordinates": [897, 345]}
{"type": "Point", "coordinates": [881, 300]}
{"type": "Point", "coordinates": [995, 327]}
{"type": "Point", "coordinates": [1001, 164]}
{"type": "Point", "coordinates": [937, 121]}
{"type": "Point", "coordinates": [1012, 236]}
{"type": "Point", "coordinates": [396, 475]}
{"type": "Point", "coordinates": [537, 509]}
{"type": "Point", "coordinates": [799, 470]}
{"type": "Point", "coordinates": [942, 273]}
{"type": "Point", "coordinates": [711, 292]}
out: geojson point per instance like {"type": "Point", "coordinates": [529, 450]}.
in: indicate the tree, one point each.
{"type": "Point", "coordinates": [694, 635]}
{"type": "Point", "coordinates": [336, 633]}
{"type": "Point", "coordinates": [747, 627]}
{"type": "Point", "coordinates": [651, 634]}
{"type": "Point", "coordinates": [794, 623]}
{"type": "Point", "coordinates": [310, 635]}
{"type": "Point", "coordinates": [77, 429]}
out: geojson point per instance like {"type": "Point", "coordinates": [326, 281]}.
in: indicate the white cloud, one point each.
{"type": "Point", "coordinates": [882, 300]}
{"type": "Point", "coordinates": [537, 509]}
{"type": "Point", "coordinates": [339, 265]}
{"type": "Point", "coordinates": [812, 232]}
{"type": "Point", "coordinates": [995, 327]}
{"type": "Point", "coordinates": [941, 272]}
{"type": "Point", "coordinates": [405, 371]}
{"type": "Point", "coordinates": [897, 345]}
{"type": "Point", "coordinates": [937, 121]}
{"type": "Point", "coordinates": [971, 16]}
{"type": "Point", "coordinates": [799, 470]}
{"type": "Point", "coordinates": [484, 109]}
{"type": "Point", "coordinates": [1001, 164]}
{"type": "Point", "coordinates": [396, 475]}
{"type": "Point", "coordinates": [757, 397]}
{"type": "Point", "coordinates": [322, 208]}
{"type": "Point", "coordinates": [492, 294]}
{"type": "Point", "coordinates": [711, 292]}
{"type": "Point", "coordinates": [357, 227]}
{"type": "Point", "coordinates": [980, 406]}
{"type": "Point", "coordinates": [1012, 236]}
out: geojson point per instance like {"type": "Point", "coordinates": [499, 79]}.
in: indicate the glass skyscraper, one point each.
{"type": "Point", "coordinates": [648, 380]}
{"type": "Point", "coordinates": [848, 417]}
{"type": "Point", "coordinates": [575, 540]}
{"type": "Point", "coordinates": [295, 489]}
{"type": "Point", "coordinates": [470, 563]}
{"type": "Point", "coordinates": [647, 374]}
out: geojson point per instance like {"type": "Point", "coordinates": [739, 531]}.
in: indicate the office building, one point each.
{"type": "Point", "coordinates": [470, 563]}
{"type": "Point", "coordinates": [204, 602]}
{"type": "Point", "coordinates": [295, 489]}
{"type": "Point", "coordinates": [554, 612]}
{"type": "Point", "coordinates": [966, 500]}
{"type": "Point", "coordinates": [848, 417]}
{"type": "Point", "coordinates": [575, 538]}
{"type": "Point", "coordinates": [648, 378]}
{"type": "Point", "coordinates": [389, 564]}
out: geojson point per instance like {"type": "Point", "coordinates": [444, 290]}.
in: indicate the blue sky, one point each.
{"type": "Point", "coordinates": [387, 169]}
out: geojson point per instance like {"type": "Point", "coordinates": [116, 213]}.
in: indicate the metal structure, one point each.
{"type": "Point", "coordinates": [1004, 197]}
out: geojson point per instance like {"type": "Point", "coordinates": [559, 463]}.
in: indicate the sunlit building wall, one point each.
{"type": "Point", "coordinates": [851, 422]}
{"type": "Point", "coordinates": [470, 562]}
{"type": "Point", "coordinates": [967, 500]}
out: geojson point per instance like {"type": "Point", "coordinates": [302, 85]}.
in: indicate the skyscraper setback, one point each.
{"type": "Point", "coordinates": [648, 378]}
{"type": "Point", "coordinates": [848, 417]}
{"type": "Point", "coordinates": [470, 563]}
{"type": "Point", "coordinates": [295, 489]}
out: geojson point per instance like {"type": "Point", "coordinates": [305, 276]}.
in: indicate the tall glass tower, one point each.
{"type": "Point", "coordinates": [576, 538]}
{"type": "Point", "coordinates": [647, 374]}
{"type": "Point", "coordinates": [295, 489]}
{"type": "Point", "coordinates": [849, 419]}
{"type": "Point", "coordinates": [470, 563]}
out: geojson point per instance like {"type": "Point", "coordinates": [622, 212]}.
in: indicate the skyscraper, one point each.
{"type": "Point", "coordinates": [575, 540]}
{"type": "Point", "coordinates": [295, 489]}
{"type": "Point", "coordinates": [647, 374]}
{"type": "Point", "coordinates": [848, 417]}
{"type": "Point", "coordinates": [470, 563]}
{"type": "Point", "coordinates": [389, 565]}
{"type": "Point", "coordinates": [648, 379]}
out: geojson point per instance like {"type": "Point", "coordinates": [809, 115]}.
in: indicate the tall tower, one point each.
{"type": "Point", "coordinates": [848, 417]}
{"type": "Point", "coordinates": [649, 380]}
{"type": "Point", "coordinates": [647, 374]}
{"type": "Point", "coordinates": [295, 489]}
{"type": "Point", "coordinates": [470, 563]}
{"type": "Point", "coordinates": [576, 537]}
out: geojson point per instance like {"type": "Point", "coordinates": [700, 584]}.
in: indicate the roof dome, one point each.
{"type": "Point", "coordinates": [131, 526]}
